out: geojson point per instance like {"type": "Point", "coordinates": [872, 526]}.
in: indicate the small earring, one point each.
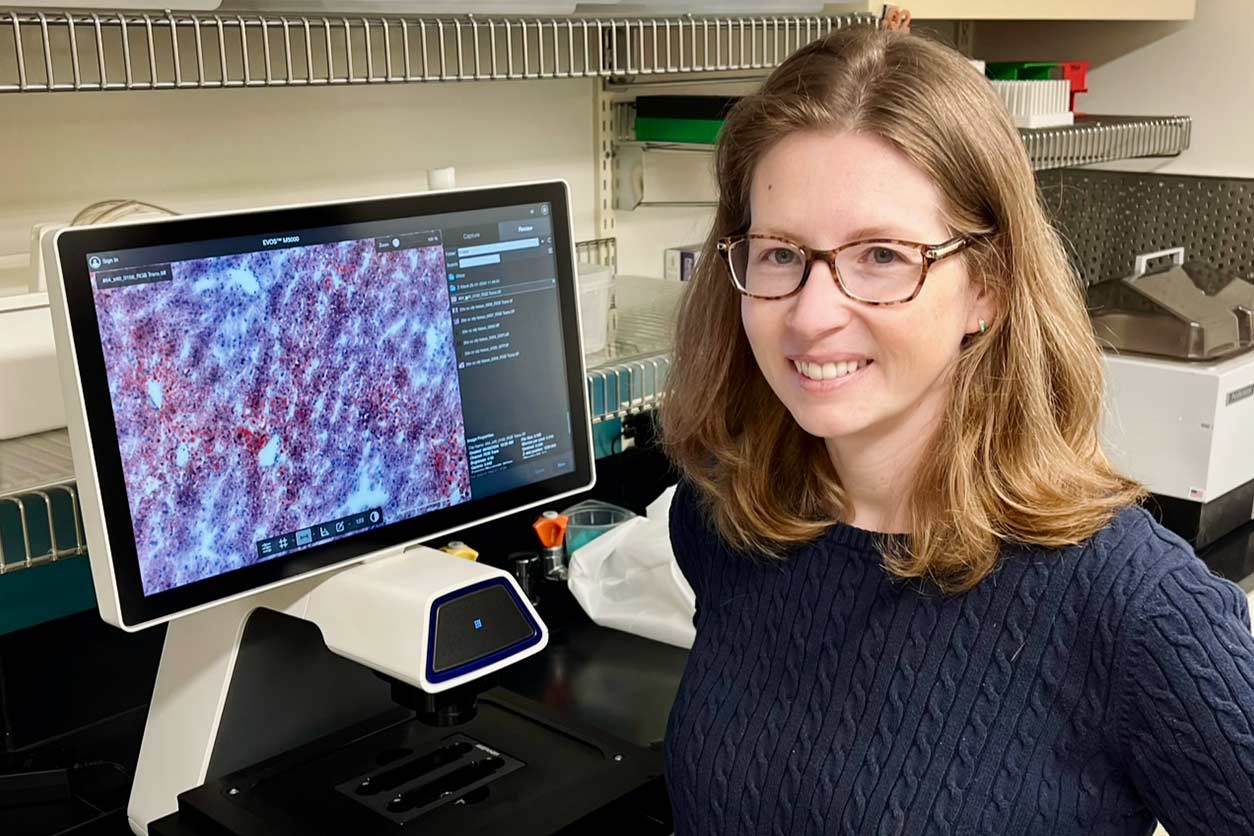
{"type": "Point", "coordinates": [983, 326]}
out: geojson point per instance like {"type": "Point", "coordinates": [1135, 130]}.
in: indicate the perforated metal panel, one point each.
{"type": "Point", "coordinates": [1108, 217]}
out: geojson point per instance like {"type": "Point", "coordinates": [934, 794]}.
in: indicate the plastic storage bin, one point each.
{"type": "Point", "coordinates": [589, 519]}
{"type": "Point", "coordinates": [1074, 72]}
{"type": "Point", "coordinates": [681, 118]}
{"type": "Point", "coordinates": [1037, 104]}
{"type": "Point", "coordinates": [596, 288]}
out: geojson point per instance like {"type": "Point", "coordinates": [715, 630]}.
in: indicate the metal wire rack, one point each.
{"type": "Point", "coordinates": [1097, 139]}
{"type": "Point", "coordinates": [602, 251]}
{"type": "Point", "coordinates": [1092, 139]}
{"type": "Point", "coordinates": [92, 51]}
{"type": "Point", "coordinates": [39, 510]}
{"type": "Point", "coordinates": [629, 376]}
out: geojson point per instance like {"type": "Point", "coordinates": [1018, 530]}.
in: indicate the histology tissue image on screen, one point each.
{"type": "Point", "coordinates": [261, 393]}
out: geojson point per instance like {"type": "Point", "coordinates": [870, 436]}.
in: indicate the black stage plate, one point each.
{"type": "Point", "coordinates": [573, 780]}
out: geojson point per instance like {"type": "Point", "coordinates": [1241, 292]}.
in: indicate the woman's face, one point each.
{"type": "Point", "coordinates": [823, 190]}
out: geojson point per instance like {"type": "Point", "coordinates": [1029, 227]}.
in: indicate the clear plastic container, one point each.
{"type": "Point", "coordinates": [590, 519]}
{"type": "Point", "coordinates": [596, 288]}
{"type": "Point", "coordinates": [30, 382]}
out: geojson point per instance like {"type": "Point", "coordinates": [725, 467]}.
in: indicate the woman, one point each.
{"type": "Point", "coordinates": [925, 601]}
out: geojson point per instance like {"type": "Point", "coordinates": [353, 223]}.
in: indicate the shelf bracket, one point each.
{"type": "Point", "coordinates": [964, 37]}
{"type": "Point", "coordinates": [603, 139]}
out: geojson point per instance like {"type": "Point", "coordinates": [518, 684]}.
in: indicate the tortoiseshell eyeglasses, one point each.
{"type": "Point", "coordinates": [877, 271]}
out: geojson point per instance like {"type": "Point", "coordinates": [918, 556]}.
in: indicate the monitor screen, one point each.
{"type": "Point", "coordinates": [293, 388]}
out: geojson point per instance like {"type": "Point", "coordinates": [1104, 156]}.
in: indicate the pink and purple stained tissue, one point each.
{"type": "Point", "coordinates": [261, 393]}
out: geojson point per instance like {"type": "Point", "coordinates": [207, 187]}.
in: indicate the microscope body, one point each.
{"type": "Point", "coordinates": [251, 679]}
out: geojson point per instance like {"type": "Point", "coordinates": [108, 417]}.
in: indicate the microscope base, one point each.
{"type": "Point", "coordinates": [561, 780]}
{"type": "Point", "coordinates": [310, 743]}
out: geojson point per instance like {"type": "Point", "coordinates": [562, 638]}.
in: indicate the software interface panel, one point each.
{"type": "Point", "coordinates": [274, 392]}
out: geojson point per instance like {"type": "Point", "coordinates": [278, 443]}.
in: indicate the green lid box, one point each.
{"type": "Point", "coordinates": [694, 119]}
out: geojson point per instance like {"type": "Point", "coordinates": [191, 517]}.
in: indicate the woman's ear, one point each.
{"type": "Point", "coordinates": [983, 305]}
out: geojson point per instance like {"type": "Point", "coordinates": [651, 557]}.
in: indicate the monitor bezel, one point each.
{"type": "Point", "coordinates": [134, 609]}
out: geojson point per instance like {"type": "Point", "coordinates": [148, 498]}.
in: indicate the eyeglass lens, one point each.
{"type": "Point", "coordinates": [872, 271]}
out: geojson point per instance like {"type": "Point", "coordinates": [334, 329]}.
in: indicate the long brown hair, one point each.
{"type": "Point", "coordinates": [1016, 457]}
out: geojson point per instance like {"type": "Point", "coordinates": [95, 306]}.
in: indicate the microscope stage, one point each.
{"type": "Point", "coordinates": [513, 768]}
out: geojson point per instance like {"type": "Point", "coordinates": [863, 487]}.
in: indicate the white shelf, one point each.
{"type": "Point", "coordinates": [61, 51]}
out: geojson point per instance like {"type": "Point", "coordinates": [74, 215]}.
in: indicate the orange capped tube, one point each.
{"type": "Point", "coordinates": [550, 528]}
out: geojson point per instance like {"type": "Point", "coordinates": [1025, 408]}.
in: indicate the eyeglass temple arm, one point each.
{"type": "Point", "coordinates": [947, 248]}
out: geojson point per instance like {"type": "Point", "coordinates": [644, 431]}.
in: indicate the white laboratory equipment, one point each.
{"type": "Point", "coordinates": [269, 410]}
{"type": "Point", "coordinates": [1179, 400]}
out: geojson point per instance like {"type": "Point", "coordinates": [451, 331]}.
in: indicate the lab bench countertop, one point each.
{"type": "Point", "coordinates": [608, 679]}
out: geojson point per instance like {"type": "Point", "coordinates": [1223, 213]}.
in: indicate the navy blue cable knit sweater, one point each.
{"type": "Point", "coordinates": [1083, 691]}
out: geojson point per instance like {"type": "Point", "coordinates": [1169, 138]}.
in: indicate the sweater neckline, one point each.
{"type": "Point", "coordinates": [859, 539]}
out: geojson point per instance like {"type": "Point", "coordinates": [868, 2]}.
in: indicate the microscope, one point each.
{"type": "Point", "coordinates": [269, 411]}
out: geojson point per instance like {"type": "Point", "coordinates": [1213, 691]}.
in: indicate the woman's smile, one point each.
{"type": "Point", "coordinates": [820, 376]}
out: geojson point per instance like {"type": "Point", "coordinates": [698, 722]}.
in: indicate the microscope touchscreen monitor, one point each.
{"type": "Point", "coordinates": [271, 393]}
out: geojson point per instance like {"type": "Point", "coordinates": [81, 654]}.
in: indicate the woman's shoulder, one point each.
{"type": "Point", "coordinates": [1170, 573]}
{"type": "Point", "coordinates": [1134, 538]}
{"type": "Point", "coordinates": [1137, 546]}
{"type": "Point", "coordinates": [1141, 567]}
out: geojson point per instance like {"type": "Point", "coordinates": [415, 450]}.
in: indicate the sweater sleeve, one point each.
{"type": "Point", "coordinates": [1186, 714]}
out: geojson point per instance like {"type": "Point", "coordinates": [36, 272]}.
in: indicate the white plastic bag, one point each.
{"type": "Point", "coordinates": [627, 579]}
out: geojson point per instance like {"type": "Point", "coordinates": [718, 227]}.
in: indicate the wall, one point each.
{"type": "Point", "coordinates": [216, 149]}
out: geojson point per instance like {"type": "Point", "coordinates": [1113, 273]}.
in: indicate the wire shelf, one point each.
{"type": "Point", "coordinates": [1099, 139]}
{"type": "Point", "coordinates": [39, 511]}
{"type": "Point", "coordinates": [629, 376]}
{"type": "Point", "coordinates": [599, 251]}
{"type": "Point", "coordinates": [92, 51]}
{"type": "Point", "coordinates": [1092, 139]}
{"type": "Point", "coordinates": [35, 461]}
